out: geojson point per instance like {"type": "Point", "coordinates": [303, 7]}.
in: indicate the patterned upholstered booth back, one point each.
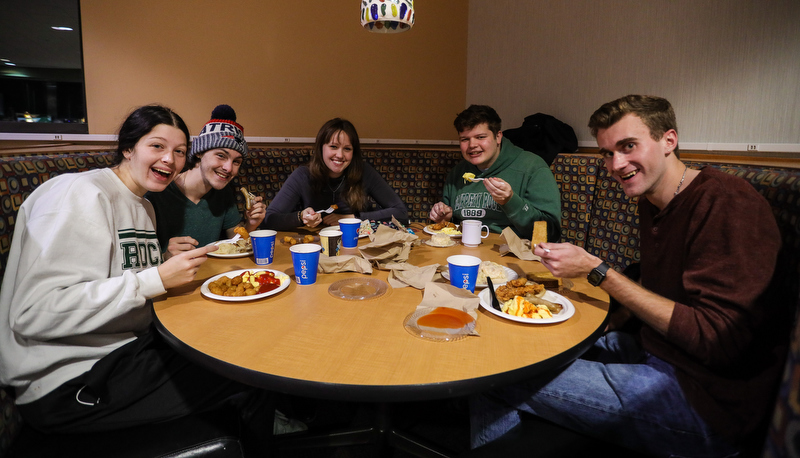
{"type": "Point", "coordinates": [416, 175]}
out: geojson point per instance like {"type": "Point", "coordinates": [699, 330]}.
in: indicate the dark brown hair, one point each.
{"type": "Point", "coordinates": [140, 122]}
{"type": "Point", "coordinates": [476, 115]}
{"type": "Point", "coordinates": [655, 112]}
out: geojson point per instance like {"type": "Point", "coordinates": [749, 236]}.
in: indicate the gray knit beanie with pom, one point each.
{"type": "Point", "coordinates": [221, 131]}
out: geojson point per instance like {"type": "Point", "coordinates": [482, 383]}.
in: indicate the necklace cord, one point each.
{"type": "Point", "coordinates": [685, 168]}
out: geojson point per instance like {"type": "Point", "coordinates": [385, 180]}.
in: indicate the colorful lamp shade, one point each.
{"type": "Point", "coordinates": [387, 16]}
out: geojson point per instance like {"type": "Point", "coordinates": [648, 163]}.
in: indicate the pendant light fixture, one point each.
{"type": "Point", "coordinates": [387, 16]}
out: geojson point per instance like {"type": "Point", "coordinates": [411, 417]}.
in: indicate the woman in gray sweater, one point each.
{"type": "Point", "coordinates": [335, 176]}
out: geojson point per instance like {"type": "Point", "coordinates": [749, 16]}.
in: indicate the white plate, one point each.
{"type": "Point", "coordinates": [510, 274]}
{"type": "Point", "coordinates": [567, 311]}
{"type": "Point", "coordinates": [427, 229]}
{"type": "Point", "coordinates": [285, 280]}
{"type": "Point", "coordinates": [428, 242]}
{"type": "Point", "coordinates": [214, 254]}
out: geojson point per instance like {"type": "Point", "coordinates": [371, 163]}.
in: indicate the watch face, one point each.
{"type": "Point", "coordinates": [594, 278]}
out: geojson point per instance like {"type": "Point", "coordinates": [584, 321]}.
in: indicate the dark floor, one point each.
{"type": "Point", "coordinates": [442, 424]}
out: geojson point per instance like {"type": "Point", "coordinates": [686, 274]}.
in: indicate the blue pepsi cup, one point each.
{"type": "Point", "coordinates": [464, 271]}
{"type": "Point", "coordinates": [263, 242]}
{"type": "Point", "coordinates": [305, 260]}
{"type": "Point", "coordinates": [349, 228]}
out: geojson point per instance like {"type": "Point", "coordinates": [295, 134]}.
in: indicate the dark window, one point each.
{"type": "Point", "coordinates": [41, 67]}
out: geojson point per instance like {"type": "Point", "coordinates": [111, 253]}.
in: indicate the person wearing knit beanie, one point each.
{"type": "Point", "coordinates": [199, 207]}
{"type": "Point", "coordinates": [222, 131]}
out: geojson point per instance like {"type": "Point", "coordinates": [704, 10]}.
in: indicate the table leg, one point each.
{"type": "Point", "coordinates": [381, 434]}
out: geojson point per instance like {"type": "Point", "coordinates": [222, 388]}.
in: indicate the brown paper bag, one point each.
{"type": "Point", "coordinates": [519, 247]}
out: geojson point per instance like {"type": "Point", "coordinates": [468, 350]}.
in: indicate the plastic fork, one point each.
{"type": "Point", "coordinates": [328, 210]}
{"type": "Point", "coordinates": [475, 179]}
{"type": "Point", "coordinates": [231, 241]}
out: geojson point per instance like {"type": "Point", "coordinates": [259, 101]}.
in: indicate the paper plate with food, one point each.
{"type": "Point", "coordinates": [528, 302]}
{"type": "Point", "coordinates": [442, 324]}
{"type": "Point", "coordinates": [245, 285]}
{"type": "Point", "coordinates": [448, 228]}
{"type": "Point", "coordinates": [231, 248]}
{"type": "Point", "coordinates": [500, 275]}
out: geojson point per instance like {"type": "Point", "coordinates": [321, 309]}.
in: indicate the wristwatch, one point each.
{"type": "Point", "coordinates": [598, 274]}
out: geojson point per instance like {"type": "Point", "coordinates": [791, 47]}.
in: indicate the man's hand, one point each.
{"type": "Point", "coordinates": [178, 245]}
{"type": "Point", "coordinates": [441, 212]}
{"type": "Point", "coordinates": [566, 260]}
{"type": "Point", "coordinates": [310, 217]}
{"type": "Point", "coordinates": [255, 215]}
{"type": "Point", "coordinates": [499, 189]}
{"type": "Point", "coordinates": [182, 268]}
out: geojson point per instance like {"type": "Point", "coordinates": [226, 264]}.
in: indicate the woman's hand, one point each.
{"type": "Point", "coordinates": [182, 268]}
{"type": "Point", "coordinates": [310, 217]}
{"type": "Point", "coordinates": [178, 245]}
{"type": "Point", "coordinates": [441, 212]}
{"type": "Point", "coordinates": [499, 189]}
{"type": "Point", "coordinates": [255, 215]}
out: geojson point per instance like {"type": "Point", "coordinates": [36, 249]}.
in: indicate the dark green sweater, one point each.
{"type": "Point", "coordinates": [536, 194]}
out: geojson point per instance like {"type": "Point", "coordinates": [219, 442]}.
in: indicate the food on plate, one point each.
{"type": "Point", "coordinates": [519, 287]}
{"type": "Point", "coordinates": [493, 270]}
{"type": "Point", "coordinates": [539, 233]}
{"type": "Point", "coordinates": [365, 228]}
{"type": "Point", "coordinates": [519, 306]}
{"type": "Point", "coordinates": [290, 240]}
{"type": "Point", "coordinates": [245, 284]}
{"type": "Point", "coordinates": [440, 239]}
{"type": "Point", "coordinates": [450, 231]}
{"type": "Point", "coordinates": [248, 198]}
{"type": "Point", "coordinates": [442, 225]}
{"type": "Point", "coordinates": [545, 278]}
{"type": "Point", "coordinates": [243, 245]}
{"type": "Point", "coordinates": [242, 232]}
{"type": "Point", "coordinates": [231, 248]}
{"type": "Point", "coordinates": [446, 319]}
{"type": "Point", "coordinates": [308, 238]}
{"type": "Point", "coordinates": [531, 292]}
{"type": "Point", "coordinates": [468, 176]}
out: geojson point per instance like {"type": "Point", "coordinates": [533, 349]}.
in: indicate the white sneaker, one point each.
{"type": "Point", "coordinates": [286, 425]}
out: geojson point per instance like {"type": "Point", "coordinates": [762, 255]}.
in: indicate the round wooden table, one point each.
{"type": "Point", "coordinates": [304, 341]}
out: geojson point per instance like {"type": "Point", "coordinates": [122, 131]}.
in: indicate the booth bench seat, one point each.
{"type": "Point", "coordinates": [596, 215]}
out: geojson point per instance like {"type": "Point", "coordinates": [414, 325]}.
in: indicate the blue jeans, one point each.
{"type": "Point", "coordinates": [617, 392]}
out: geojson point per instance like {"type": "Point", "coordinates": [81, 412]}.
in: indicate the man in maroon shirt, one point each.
{"type": "Point", "coordinates": [696, 374]}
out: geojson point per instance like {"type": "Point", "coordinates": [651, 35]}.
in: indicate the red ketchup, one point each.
{"type": "Point", "coordinates": [268, 282]}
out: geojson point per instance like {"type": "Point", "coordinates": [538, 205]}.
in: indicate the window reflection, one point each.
{"type": "Point", "coordinates": [41, 68]}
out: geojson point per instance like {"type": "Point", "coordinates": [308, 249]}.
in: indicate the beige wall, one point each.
{"type": "Point", "coordinates": [286, 66]}
{"type": "Point", "coordinates": [731, 68]}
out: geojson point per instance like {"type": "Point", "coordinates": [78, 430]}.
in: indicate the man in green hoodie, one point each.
{"type": "Point", "coordinates": [517, 189]}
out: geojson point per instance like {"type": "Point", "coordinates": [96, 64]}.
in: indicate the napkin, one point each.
{"type": "Point", "coordinates": [520, 247]}
{"type": "Point", "coordinates": [446, 295]}
{"type": "Point", "coordinates": [388, 245]}
{"type": "Point", "coordinates": [343, 263]}
{"type": "Point", "coordinates": [402, 274]}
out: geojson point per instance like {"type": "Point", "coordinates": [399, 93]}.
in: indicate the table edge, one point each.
{"type": "Point", "coordinates": [377, 393]}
